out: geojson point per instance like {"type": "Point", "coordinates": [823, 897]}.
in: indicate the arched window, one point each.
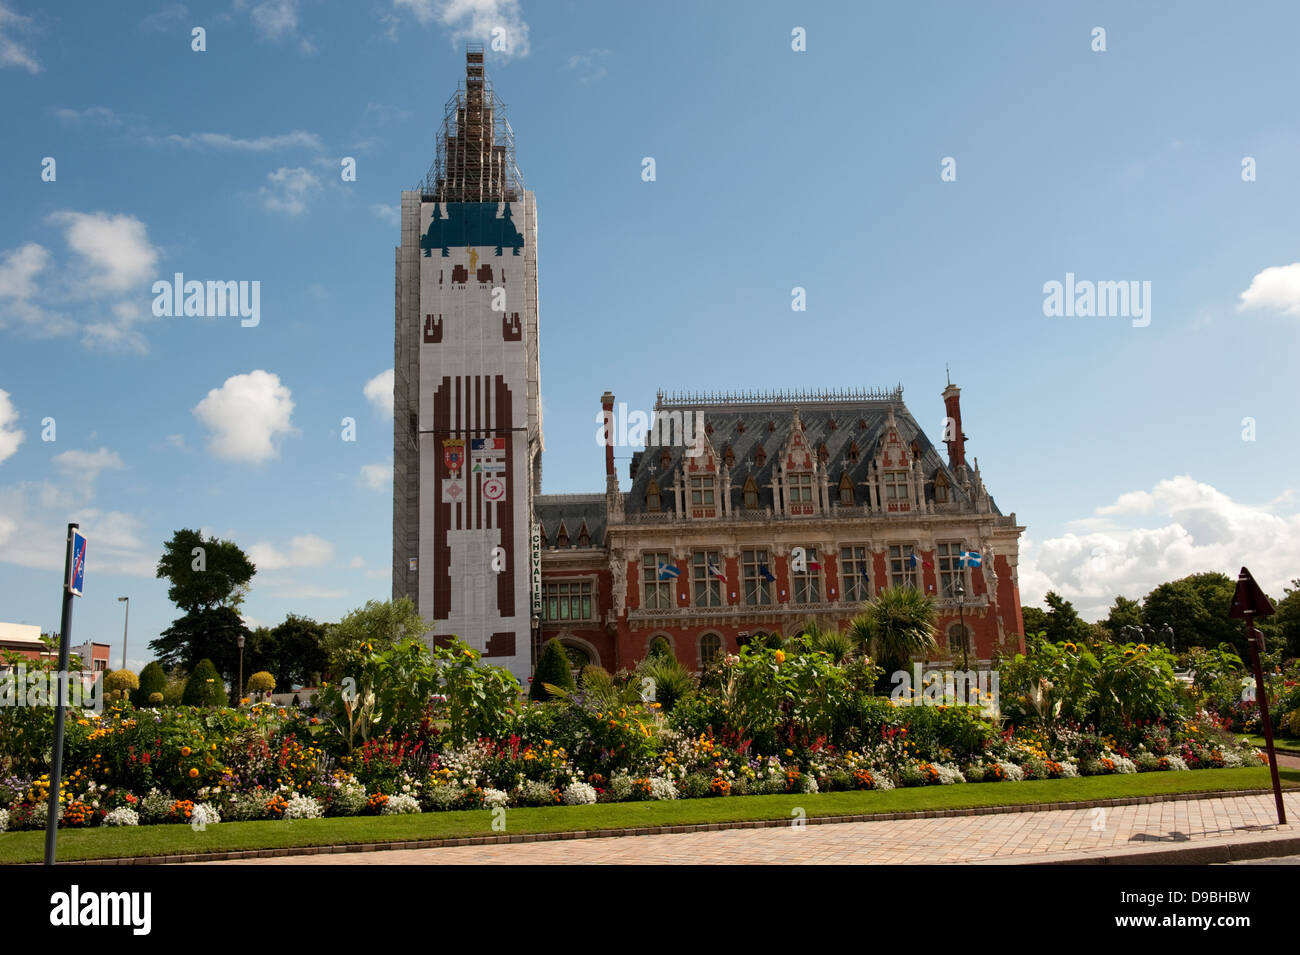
{"type": "Point", "coordinates": [710, 648]}
{"type": "Point", "coordinates": [652, 501]}
{"type": "Point", "coordinates": [665, 458]}
{"type": "Point", "coordinates": [846, 489]}
{"type": "Point", "coordinates": [578, 658]}
{"type": "Point", "coordinates": [751, 493]}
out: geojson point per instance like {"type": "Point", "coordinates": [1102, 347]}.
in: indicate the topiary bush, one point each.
{"type": "Point", "coordinates": [204, 687]}
{"type": "Point", "coordinates": [552, 668]}
{"type": "Point", "coordinates": [118, 683]}
{"type": "Point", "coordinates": [153, 679]}
{"type": "Point", "coordinates": [261, 682]}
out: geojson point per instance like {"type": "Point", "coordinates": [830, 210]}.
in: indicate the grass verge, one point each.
{"type": "Point", "coordinates": [104, 843]}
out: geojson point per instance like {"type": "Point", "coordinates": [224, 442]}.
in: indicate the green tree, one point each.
{"type": "Point", "coordinates": [153, 679]}
{"type": "Point", "coordinates": [1035, 620]}
{"type": "Point", "coordinates": [1063, 622]}
{"type": "Point", "coordinates": [1196, 607]}
{"type": "Point", "coordinates": [211, 634]}
{"type": "Point", "coordinates": [377, 626]}
{"type": "Point", "coordinates": [261, 682]}
{"type": "Point", "coordinates": [553, 668]}
{"type": "Point", "coordinates": [204, 687]}
{"type": "Point", "coordinates": [204, 572]}
{"type": "Point", "coordinates": [295, 652]}
{"type": "Point", "coordinates": [896, 626]}
{"type": "Point", "coordinates": [120, 683]}
{"type": "Point", "coordinates": [1285, 623]}
{"type": "Point", "coordinates": [1123, 613]}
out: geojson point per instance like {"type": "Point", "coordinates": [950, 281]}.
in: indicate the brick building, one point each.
{"type": "Point", "coordinates": [765, 511]}
{"type": "Point", "coordinates": [702, 550]}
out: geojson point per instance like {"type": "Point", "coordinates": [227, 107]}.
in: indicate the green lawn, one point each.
{"type": "Point", "coordinates": [1281, 742]}
{"type": "Point", "coordinates": [228, 836]}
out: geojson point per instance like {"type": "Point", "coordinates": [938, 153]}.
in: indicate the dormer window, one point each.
{"type": "Point", "coordinates": [729, 457]}
{"type": "Point", "coordinates": [799, 487]}
{"type": "Point", "coordinates": [940, 488]}
{"type": "Point", "coordinates": [822, 454]}
{"type": "Point", "coordinates": [584, 538]}
{"type": "Point", "coordinates": [896, 486]}
{"type": "Point", "coordinates": [665, 458]}
{"type": "Point", "coordinates": [833, 424]}
{"type": "Point", "coordinates": [771, 426]}
{"type": "Point", "coordinates": [740, 426]}
{"type": "Point", "coordinates": [652, 500]}
{"type": "Point", "coordinates": [751, 494]}
{"type": "Point", "coordinates": [562, 538]}
{"type": "Point", "coordinates": [760, 456]}
{"type": "Point", "coordinates": [846, 490]}
{"type": "Point", "coordinates": [702, 491]}
{"type": "Point", "coordinates": [854, 453]}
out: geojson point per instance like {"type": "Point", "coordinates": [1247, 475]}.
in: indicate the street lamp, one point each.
{"type": "Point", "coordinates": [961, 616]}
{"type": "Point", "coordinates": [239, 690]}
{"type": "Point", "coordinates": [125, 621]}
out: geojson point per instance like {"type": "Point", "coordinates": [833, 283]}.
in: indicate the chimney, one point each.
{"type": "Point", "coordinates": [607, 404]}
{"type": "Point", "coordinates": [953, 435]}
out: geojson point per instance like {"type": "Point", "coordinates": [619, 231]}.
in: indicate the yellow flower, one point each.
{"type": "Point", "coordinates": [780, 656]}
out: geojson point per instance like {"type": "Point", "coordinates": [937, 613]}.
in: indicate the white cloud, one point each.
{"type": "Point", "coordinates": [93, 116]}
{"type": "Point", "coordinates": [19, 269]}
{"type": "Point", "coordinates": [305, 550]}
{"type": "Point", "coordinates": [589, 65]}
{"type": "Point", "coordinates": [298, 139]}
{"type": "Point", "coordinates": [115, 248]}
{"type": "Point", "coordinates": [117, 332]}
{"type": "Point", "coordinates": [1196, 528]}
{"type": "Point", "coordinates": [392, 214]}
{"type": "Point", "coordinates": [171, 15]}
{"type": "Point", "coordinates": [274, 19]}
{"type": "Point", "coordinates": [1277, 287]}
{"type": "Point", "coordinates": [176, 441]}
{"type": "Point", "coordinates": [12, 52]}
{"type": "Point", "coordinates": [10, 436]}
{"type": "Point", "coordinates": [89, 463]}
{"type": "Point", "coordinates": [33, 525]}
{"type": "Point", "coordinates": [379, 392]}
{"type": "Point", "coordinates": [247, 416]}
{"type": "Point", "coordinates": [289, 190]}
{"type": "Point", "coordinates": [475, 21]}
{"type": "Point", "coordinates": [356, 563]}
{"type": "Point", "coordinates": [377, 477]}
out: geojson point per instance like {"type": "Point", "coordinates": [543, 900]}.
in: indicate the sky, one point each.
{"type": "Point", "coordinates": [922, 172]}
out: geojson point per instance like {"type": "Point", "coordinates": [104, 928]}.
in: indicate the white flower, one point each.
{"type": "Point", "coordinates": [114, 817]}
{"type": "Point", "coordinates": [303, 807]}
{"type": "Point", "coordinates": [400, 806]}
{"type": "Point", "coordinates": [580, 794]}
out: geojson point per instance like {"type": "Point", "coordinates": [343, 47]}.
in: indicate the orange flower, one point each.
{"type": "Point", "coordinates": [193, 773]}
{"type": "Point", "coordinates": [185, 751]}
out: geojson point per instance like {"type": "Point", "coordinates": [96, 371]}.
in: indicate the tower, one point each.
{"type": "Point", "coordinates": [467, 426]}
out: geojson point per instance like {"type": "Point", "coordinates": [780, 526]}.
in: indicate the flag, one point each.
{"type": "Point", "coordinates": [487, 444]}
{"type": "Point", "coordinates": [713, 570]}
{"type": "Point", "coordinates": [969, 558]}
{"type": "Point", "coordinates": [765, 573]}
{"type": "Point", "coordinates": [668, 572]}
{"type": "Point", "coordinates": [862, 570]}
{"type": "Point", "coordinates": [912, 560]}
{"type": "Point", "coordinates": [814, 565]}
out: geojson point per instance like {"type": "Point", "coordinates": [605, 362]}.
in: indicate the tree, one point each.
{"type": "Point", "coordinates": [1285, 623]}
{"type": "Point", "coordinates": [1035, 620]}
{"type": "Point", "coordinates": [1123, 613]}
{"type": "Point", "coordinates": [1063, 623]}
{"type": "Point", "coordinates": [204, 687]}
{"type": "Point", "coordinates": [897, 625]}
{"type": "Point", "coordinates": [552, 668]}
{"type": "Point", "coordinates": [153, 679]}
{"type": "Point", "coordinates": [378, 625]}
{"type": "Point", "coordinates": [295, 652]}
{"type": "Point", "coordinates": [204, 573]}
{"type": "Point", "coordinates": [211, 634]}
{"type": "Point", "coordinates": [1196, 607]}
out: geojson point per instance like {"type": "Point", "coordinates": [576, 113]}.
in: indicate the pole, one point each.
{"type": "Point", "coordinates": [60, 705]}
{"type": "Point", "coordinates": [125, 621]}
{"type": "Point", "coordinates": [1256, 640]}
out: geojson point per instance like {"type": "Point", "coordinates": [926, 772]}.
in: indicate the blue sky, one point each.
{"type": "Point", "coordinates": [1120, 447]}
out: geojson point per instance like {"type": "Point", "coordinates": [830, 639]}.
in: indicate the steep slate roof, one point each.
{"type": "Point", "coordinates": [571, 509]}
{"type": "Point", "coordinates": [816, 413]}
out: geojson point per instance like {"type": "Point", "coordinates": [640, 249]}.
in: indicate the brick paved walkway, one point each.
{"type": "Point", "coordinates": [1003, 837]}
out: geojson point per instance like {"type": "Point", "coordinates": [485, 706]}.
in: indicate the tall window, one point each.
{"type": "Point", "coordinates": [896, 488]}
{"type": "Point", "coordinates": [658, 593]}
{"type": "Point", "coordinates": [707, 587]}
{"type": "Point", "coordinates": [568, 600]}
{"type": "Point", "coordinates": [855, 574]}
{"type": "Point", "coordinates": [652, 501]}
{"type": "Point", "coordinates": [950, 571]}
{"type": "Point", "coordinates": [799, 487]}
{"type": "Point", "coordinates": [807, 583]}
{"type": "Point", "coordinates": [702, 491]}
{"type": "Point", "coordinates": [710, 648]}
{"type": "Point", "coordinates": [940, 489]}
{"type": "Point", "coordinates": [901, 571]}
{"type": "Point", "coordinates": [957, 636]}
{"type": "Point", "coordinates": [758, 589]}
{"type": "Point", "coordinates": [751, 494]}
{"type": "Point", "coordinates": [562, 539]}
{"type": "Point", "coordinates": [846, 490]}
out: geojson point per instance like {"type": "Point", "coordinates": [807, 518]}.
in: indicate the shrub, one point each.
{"type": "Point", "coordinates": [120, 683]}
{"type": "Point", "coordinates": [204, 687]}
{"type": "Point", "coordinates": [495, 798]}
{"type": "Point", "coordinates": [302, 807]}
{"type": "Point", "coordinates": [155, 699]}
{"type": "Point", "coordinates": [536, 793]}
{"type": "Point", "coordinates": [670, 681]}
{"type": "Point", "coordinates": [153, 680]}
{"type": "Point", "coordinates": [695, 785]}
{"type": "Point", "coordinates": [243, 807]}
{"type": "Point", "coordinates": [552, 668]}
{"type": "Point", "coordinates": [155, 807]}
{"type": "Point", "coordinates": [445, 797]}
{"type": "Point", "coordinates": [261, 682]}
{"type": "Point", "coordinates": [579, 794]}
{"type": "Point", "coordinates": [116, 817]}
{"type": "Point", "coordinates": [662, 789]}
{"type": "Point", "coordinates": [400, 805]}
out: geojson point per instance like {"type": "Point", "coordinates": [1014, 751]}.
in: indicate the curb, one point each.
{"type": "Point", "coordinates": [697, 827]}
{"type": "Point", "coordinates": [1205, 853]}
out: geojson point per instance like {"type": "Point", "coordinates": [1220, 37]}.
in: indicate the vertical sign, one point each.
{"type": "Point", "coordinates": [78, 563]}
{"type": "Point", "coordinates": [537, 568]}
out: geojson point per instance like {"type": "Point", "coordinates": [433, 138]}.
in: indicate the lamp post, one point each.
{"type": "Point", "coordinates": [125, 620]}
{"type": "Point", "coordinates": [239, 690]}
{"type": "Point", "coordinates": [961, 616]}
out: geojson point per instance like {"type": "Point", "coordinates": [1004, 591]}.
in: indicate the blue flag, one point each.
{"type": "Point", "coordinates": [765, 573]}
{"type": "Point", "coordinates": [969, 558]}
{"type": "Point", "coordinates": [668, 572]}
{"type": "Point", "coordinates": [862, 570]}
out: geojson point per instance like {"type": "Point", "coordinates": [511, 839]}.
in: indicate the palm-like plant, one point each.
{"type": "Point", "coordinates": [895, 627]}
{"type": "Point", "coordinates": [840, 646]}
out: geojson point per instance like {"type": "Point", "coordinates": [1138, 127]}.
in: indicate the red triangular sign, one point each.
{"type": "Point", "coordinates": [1249, 600]}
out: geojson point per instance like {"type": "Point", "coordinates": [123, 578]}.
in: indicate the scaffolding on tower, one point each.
{"type": "Point", "coordinates": [475, 161]}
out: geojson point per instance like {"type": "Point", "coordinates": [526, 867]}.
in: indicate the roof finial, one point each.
{"type": "Point", "coordinates": [947, 372]}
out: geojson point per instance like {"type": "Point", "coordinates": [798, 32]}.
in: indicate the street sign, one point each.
{"type": "Point", "coordinates": [1248, 600]}
{"type": "Point", "coordinates": [78, 563]}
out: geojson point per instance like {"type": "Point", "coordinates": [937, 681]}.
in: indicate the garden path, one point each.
{"type": "Point", "coordinates": [1001, 837]}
